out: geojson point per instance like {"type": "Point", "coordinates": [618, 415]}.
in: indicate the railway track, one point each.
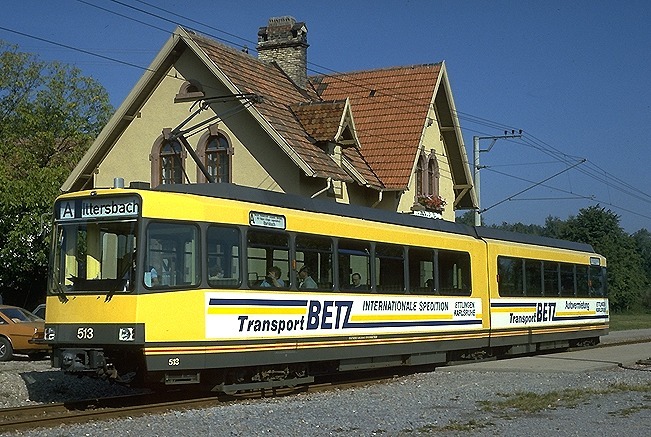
{"type": "Point", "coordinates": [53, 415]}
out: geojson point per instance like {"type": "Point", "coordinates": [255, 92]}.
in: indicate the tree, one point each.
{"type": "Point", "coordinates": [554, 227]}
{"type": "Point", "coordinates": [600, 228]}
{"type": "Point", "coordinates": [49, 116]}
{"type": "Point", "coordinates": [643, 242]}
{"type": "Point", "coordinates": [521, 228]}
{"type": "Point", "coordinates": [467, 218]}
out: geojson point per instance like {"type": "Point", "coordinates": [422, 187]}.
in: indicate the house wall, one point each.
{"type": "Point", "coordinates": [129, 156]}
{"type": "Point", "coordinates": [358, 195]}
{"type": "Point", "coordinates": [432, 143]}
{"type": "Point", "coordinates": [257, 160]}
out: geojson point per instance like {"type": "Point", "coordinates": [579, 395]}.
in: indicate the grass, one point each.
{"type": "Point", "coordinates": [568, 398]}
{"type": "Point", "coordinates": [518, 404]}
{"type": "Point", "coordinates": [454, 425]}
{"type": "Point", "coordinates": [626, 321]}
{"type": "Point", "coordinates": [534, 402]}
{"type": "Point", "coordinates": [627, 412]}
{"type": "Point", "coordinates": [465, 426]}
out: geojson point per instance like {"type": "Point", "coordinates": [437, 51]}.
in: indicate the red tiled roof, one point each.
{"type": "Point", "coordinates": [390, 107]}
{"type": "Point", "coordinates": [320, 119]}
{"type": "Point", "coordinates": [250, 75]}
{"type": "Point", "coordinates": [353, 156]}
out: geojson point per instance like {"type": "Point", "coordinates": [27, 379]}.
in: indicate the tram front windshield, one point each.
{"type": "Point", "coordinates": [94, 256]}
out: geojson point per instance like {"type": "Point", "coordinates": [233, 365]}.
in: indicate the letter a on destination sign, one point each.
{"type": "Point", "coordinates": [67, 210]}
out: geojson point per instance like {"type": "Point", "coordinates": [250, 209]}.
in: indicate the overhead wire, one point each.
{"type": "Point", "coordinates": [158, 17]}
{"type": "Point", "coordinates": [531, 187]}
{"type": "Point", "coordinates": [66, 46]}
{"type": "Point", "coordinates": [587, 197]}
{"type": "Point", "coordinates": [545, 146]}
{"type": "Point", "coordinates": [567, 159]}
{"type": "Point", "coordinates": [188, 19]}
{"type": "Point", "coordinates": [521, 164]}
{"type": "Point", "coordinates": [615, 183]}
{"type": "Point", "coordinates": [591, 197]}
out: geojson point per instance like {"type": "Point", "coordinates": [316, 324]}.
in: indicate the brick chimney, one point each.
{"type": "Point", "coordinates": [284, 41]}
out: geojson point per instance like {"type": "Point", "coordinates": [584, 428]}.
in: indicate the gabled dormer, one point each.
{"type": "Point", "coordinates": [331, 126]}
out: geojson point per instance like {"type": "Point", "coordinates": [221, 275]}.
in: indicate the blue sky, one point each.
{"type": "Point", "coordinates": [574, 76]}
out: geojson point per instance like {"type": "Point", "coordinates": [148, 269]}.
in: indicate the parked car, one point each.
{"type": "Point", "coordinates": [39, 311]}
{"type": "Point", "coordinates": [21, 332]}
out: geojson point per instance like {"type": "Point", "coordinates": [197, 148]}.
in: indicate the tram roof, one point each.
{"type": "Point", "coordinates": [487, 233]}
{"type": "Point", "coordinates": [302, 203]}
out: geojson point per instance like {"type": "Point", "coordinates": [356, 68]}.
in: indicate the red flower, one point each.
{"type": "Point", "coordinates": [436, 203]}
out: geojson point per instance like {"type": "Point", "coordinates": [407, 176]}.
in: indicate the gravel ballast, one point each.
{"type": "Point", "coordinates": [433, 403]}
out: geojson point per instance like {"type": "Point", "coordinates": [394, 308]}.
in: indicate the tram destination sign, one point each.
{"type": "Point", "coordinates": [98, 208]}
{"type": "Point", "coordinates": [266, 220]}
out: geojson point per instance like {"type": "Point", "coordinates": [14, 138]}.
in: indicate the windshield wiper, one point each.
{"type": "Point", "coordinates": [60, 292]}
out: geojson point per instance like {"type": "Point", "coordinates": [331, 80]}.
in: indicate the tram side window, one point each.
{"type": "Point", "coordinates": [223, 257]}
{"type": "Point", "coordinates": [567, 279]}
{"type": "Point", "coordinates": [316, 254]}
{"type": "Point", "coordinates": [421, 271]}
{"type": "Point", "coordinates": [551, 278]}
{"type": "Point", "coordinates": [533, 277]}
{"type": "Point", "coordinates": [389, 268]}
{"type": "Point", "coordinates": [582, 281]}
{"type": "Point", "coordinates": [510, 276]}
{"type": "Point", "coordinates": [597, 281]}
{"type": "Point", "coordinates": [172, 255]}
{"type": "Point", "coordinates": [354, 259]}
{"type": "Point", "coordinates": [266, 252]}
{"type": "Point", "coordinates": [454, 273]}
{"type": "Point", "coordinates": [554, 278]}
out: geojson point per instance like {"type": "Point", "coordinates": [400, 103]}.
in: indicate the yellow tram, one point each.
{"type": "Point", "coordinates": [235, 288]}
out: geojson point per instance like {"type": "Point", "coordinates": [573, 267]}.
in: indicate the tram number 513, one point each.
{"type": "Point", "coordinates": [174, 361]}
{"type": "Point", "coordinates": [85, 333]}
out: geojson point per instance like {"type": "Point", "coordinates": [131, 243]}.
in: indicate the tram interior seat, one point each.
{"type": "Point", "coordinates": [254, 280]}
{"type": "Point", "coordinates": [351, 287]}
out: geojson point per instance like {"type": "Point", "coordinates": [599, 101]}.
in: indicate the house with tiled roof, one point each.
{"type": "Point", "coordinates": [204, 112]}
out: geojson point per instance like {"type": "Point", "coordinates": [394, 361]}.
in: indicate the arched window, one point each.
{"type": "Point", "coordinates": [215, 152]}
{"type": "Point", "coordinates": [190, 91]}
{"type": "Point", "coordinates": [167, 162]}
{"type": "Point", "coordinates": [433, 175]}
{"type": "Point", "coordinates": [421, 177]}
{"type": "Point", "coordinates": [171, 166]}
{"type": "Point", "coordinates": [217, 159]}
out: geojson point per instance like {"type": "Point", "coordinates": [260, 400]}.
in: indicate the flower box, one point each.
{"type": "Point", "coordinates": [430, 203]}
